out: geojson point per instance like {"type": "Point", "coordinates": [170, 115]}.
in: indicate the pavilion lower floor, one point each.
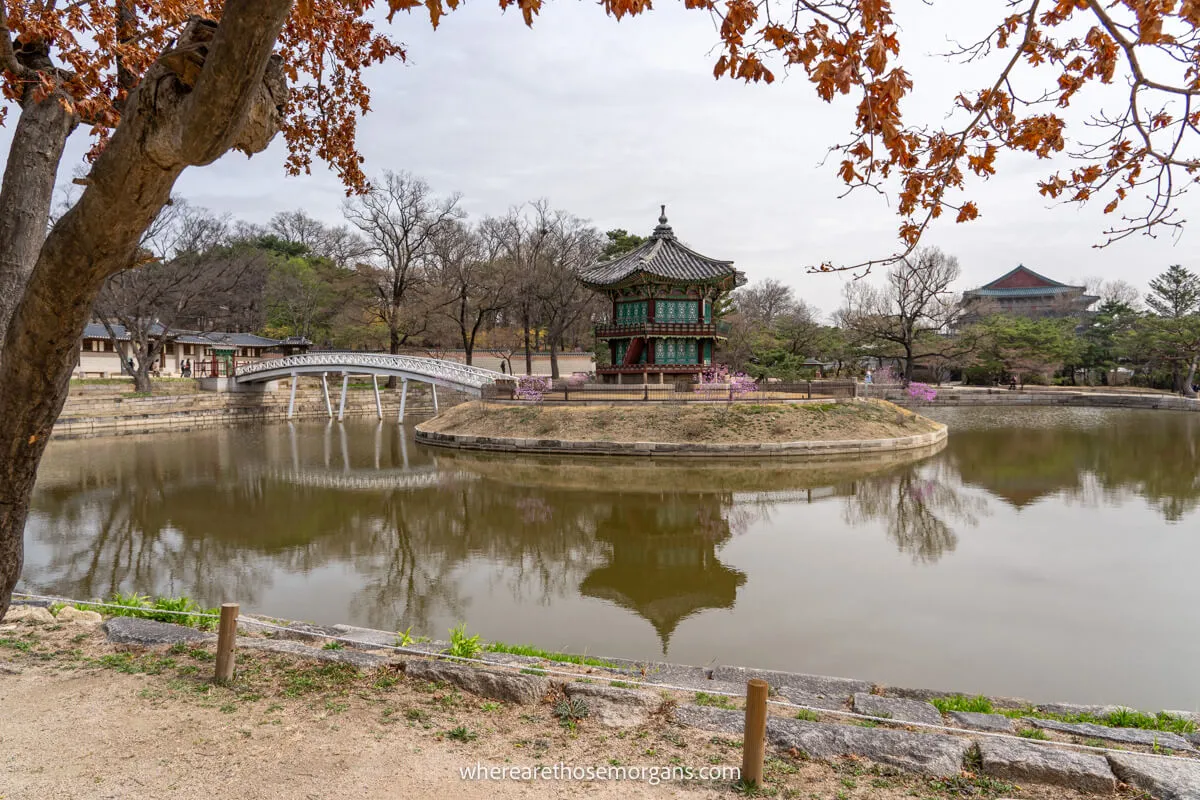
{"type": "Point", "coordinates": [651, 373]}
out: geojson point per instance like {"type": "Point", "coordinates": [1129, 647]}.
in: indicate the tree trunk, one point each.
{"type": "Point", "coordinates": [234, 103]}
{"type": "Point", "coordinates": [28, 189]}
{"type": "Point", "coordinates": [394, 342]}
{"type": "Point", "coordinates": [1190, 381]}
{"type": "Point", "coordinates": [141, 379]}
{"type": "Point", "coordinates": [528, 351]}
{"type": "Point", "coordinates": [553, 341]}
{"type": "Point", "coordinates": [908, 366]}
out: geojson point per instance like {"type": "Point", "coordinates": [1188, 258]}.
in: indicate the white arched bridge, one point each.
{"type": "Point", "coordinates": [435, 372]}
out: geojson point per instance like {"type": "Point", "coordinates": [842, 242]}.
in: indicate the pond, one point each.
{"type": "Point", "coordinates": [1043, 553]}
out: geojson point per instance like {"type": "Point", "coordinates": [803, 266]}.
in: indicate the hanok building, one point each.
{"type": "Point", "coordinates": [1023, 292]}
{"type": "Point", "coordinates": [662, 327]}
{"type": "Point", "coordinates": [99, 358]}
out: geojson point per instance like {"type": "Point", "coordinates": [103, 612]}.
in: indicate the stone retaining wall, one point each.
{"type": "Point", "coordinates": [683, 449]}
{"type": "Point", "coordinates": [1004, 397]}
{"type": "Point", "coordinates": [100, 416]}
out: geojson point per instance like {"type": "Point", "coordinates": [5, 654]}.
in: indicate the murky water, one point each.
{"type": "Point", "coordinates": [1052, 554]}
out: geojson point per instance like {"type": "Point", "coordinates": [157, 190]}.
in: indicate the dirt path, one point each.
{"type": "Point", "coordinates": [81, 718]}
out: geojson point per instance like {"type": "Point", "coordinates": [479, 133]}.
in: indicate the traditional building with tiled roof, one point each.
{"type": "Point", "coordinates": [100, 357]}
{"type": "Point", "coordinates": [1023, 292]}
{"type": "Point", "coordinates": [662, 297]}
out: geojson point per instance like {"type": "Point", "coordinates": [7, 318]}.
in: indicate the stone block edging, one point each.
{"type": "Point", "coordinates": [678, 449]}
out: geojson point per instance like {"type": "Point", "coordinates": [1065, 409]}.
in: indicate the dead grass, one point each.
{"type": "Point", "coordinates": [695, 423]}
{"type": "Point", "coordinates": [84, 718]}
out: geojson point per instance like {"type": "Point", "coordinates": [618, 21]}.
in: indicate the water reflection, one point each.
{"type": "Point", "coordinates": [1100, 457]}
{"type": "Point", "coordinates": [356, 523]}
{"type": "Point", "coordinates": [920, 505]}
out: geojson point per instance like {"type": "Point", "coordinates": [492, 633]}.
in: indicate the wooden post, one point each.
{"type": "Point", "coordinates": [226, 638]}
{"type": "Point", "coordinates": [754, 736]}
{"type": "Point", "coordinates": [810, 390]}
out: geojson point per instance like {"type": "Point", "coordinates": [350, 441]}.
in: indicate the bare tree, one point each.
{"type": "Point", "coordinates": [401, 217]}
{"type": "Point", "coordinates": [761, 302]}
{"type": "Point", "coordinates": [522, 237]}
{"type": "Point", "coordinates": [1114, 291]}
{"type": "Point", "coordinates": [569, 246]}
{"type": "Point", "coordinates": [338, 243]}
{"type": "Point", "coordinates": [911, 313]}
{"type": "Point", "coordinates": [470, 284]}
{"type": "Point", "coordinates": [186, 273]}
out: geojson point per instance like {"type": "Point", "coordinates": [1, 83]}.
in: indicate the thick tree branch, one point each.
{"type": "Point", "coordinates": [236, 62]}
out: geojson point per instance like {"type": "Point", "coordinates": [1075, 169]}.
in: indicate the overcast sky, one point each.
{"type": "Point", "coordinates": [608, 120]}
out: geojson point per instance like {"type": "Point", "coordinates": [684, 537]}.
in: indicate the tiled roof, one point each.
{"type": "Point", "coordinates": [1023, 282]}
{"type": "Point", "coordinates": [96, 330]}
{"type": "Point", "coordinates": [1024, 291]}
{"type": "Point", "coordinates": [663, 256]}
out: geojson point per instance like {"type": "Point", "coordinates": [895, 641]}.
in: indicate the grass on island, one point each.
{"type": "Point", "coordinates": [1121, 718]}
{"type": "Point", "coordinates": [723, 423]}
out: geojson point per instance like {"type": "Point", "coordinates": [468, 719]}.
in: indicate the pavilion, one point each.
{"type": "Point", "coordinates": [662, 293]}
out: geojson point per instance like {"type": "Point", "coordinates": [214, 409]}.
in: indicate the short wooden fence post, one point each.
{"type": "Point", "coordinates": [226, 639]}
{"type": "Point", "coordinates": [754, 735]}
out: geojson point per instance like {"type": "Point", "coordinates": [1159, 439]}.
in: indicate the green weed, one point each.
{"type": "Point", "coordinates": [715, 701]}
{"type": "Point", "coordinates": [978, 704]}
{"type": "Point", "coordinates": [461, 734]}
{"type": "Point", "coordinates": [537, 652]}
{"type": "Point", "coordinates": [1033, 733]}
{"type": "Point", "coordinates": [807, 715]}
{"type": "Point", "coordinates": [461, 645]}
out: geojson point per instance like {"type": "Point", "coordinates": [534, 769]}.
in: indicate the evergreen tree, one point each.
{"type": "Point", "coordinates": [1175, 293]}
{"type": "Point", "coordinates": [620, 242]}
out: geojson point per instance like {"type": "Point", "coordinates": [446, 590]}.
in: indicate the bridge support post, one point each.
{"type": "Point", "coordinates": [433, 387]}
{"type": "Point", "coordinates": [378, 403]}
{"type": "Point", "coordinates": [325, 389]}
{"type": "Point", "coordinates": [403, 396]}
{"type": "Point", "coordinates": [292, 399]}
{"type": "Point", "coordinates": [342, 402]}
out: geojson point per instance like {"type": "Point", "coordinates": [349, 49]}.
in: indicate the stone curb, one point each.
{"type": "Point", "coordinates": [682, 449]}
{"type": "Point", "coordinates": [928, 753]}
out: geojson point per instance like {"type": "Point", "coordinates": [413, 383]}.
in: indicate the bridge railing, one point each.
{"type": "Point", "coordinates": [414, 366]}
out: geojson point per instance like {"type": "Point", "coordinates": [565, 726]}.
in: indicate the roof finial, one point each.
{"type": "Point", "coordinates": [663, 231]}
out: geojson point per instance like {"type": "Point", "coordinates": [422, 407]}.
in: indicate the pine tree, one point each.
{"type": "Point", "coordinates": [1175, 293]}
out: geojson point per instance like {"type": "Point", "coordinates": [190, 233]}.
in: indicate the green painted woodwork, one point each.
{"type": "Point", "coordinates": [676, 311]}
{"type": "Point", "coordinates": [632, 313]}
{"type": "Point", "coordinates": [675, 351]}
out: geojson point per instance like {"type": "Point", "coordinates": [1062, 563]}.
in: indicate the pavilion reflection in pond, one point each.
{"type": "Point", "coordinates": [662, 561]}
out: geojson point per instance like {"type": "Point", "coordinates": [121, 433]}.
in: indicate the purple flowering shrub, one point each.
{"type": "Point", "coordinates": [532, 387]}
{"type": "Point", "coordinates": [719, 375]}
{"type": "Point", "coordinates": [922, 392]}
